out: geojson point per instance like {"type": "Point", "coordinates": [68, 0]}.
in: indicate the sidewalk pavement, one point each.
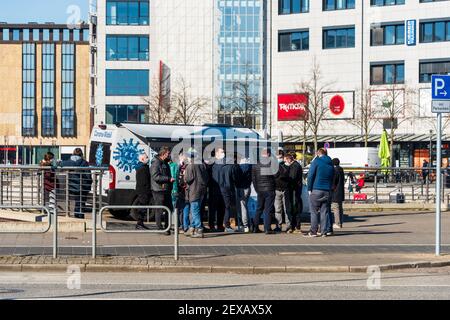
{"type": "Point", "coordinates": [389, 240]}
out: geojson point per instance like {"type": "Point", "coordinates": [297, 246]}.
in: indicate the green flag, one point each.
{"type": "Point", "coordinates": [383, 153]}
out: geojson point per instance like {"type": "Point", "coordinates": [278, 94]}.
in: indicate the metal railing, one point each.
{"type": "Point", "coordinates": [172, 218]}
{"type": "Point", "coordinates": [382, 184]}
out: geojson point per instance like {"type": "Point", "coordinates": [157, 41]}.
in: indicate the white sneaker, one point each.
{"type": "Point", "coordinates": [336, 226]}
{"type": "Point", "coordinates": [247, 230]}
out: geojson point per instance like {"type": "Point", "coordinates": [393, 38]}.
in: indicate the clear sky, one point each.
{"type": "Point", "coordinates": [24, 11]}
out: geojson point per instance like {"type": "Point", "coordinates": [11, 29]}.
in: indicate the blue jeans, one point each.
{"type": "Point", "coordinates": [183, 208]}
{"type": "Point", "coordinates": [196, 207]}
{"type": "Point", "coordinates": [266, 200]}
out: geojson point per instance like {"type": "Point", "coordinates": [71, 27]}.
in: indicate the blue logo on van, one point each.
{"type": "Point", "coordinates": [99, 155]}
{"type": "Point", "coordinates": [127, 155]}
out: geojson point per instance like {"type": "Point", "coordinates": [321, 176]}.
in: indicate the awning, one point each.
{"type": "Point", "coordinates": [374, 138]}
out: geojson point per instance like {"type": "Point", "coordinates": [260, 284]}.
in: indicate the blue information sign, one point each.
{"type": "Point", "coordinates": [411, 32]}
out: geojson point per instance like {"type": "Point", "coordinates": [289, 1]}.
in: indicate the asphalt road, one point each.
{"type": "Point", "coordinates": [405, 285]}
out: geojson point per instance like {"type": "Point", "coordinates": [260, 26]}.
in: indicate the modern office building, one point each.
{"type": "Point", "coordinates": [389, 48]}
{"type": "Point", "coordinates": [146, 48]}
{"type": "Point", "coordinates": [44, 92]}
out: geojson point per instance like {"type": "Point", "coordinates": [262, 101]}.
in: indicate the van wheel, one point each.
{"type": "Point", "coordinates": [120, 214]}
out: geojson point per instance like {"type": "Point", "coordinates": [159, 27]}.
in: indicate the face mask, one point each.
{"type": "Point", "coordinates": [221, 156]}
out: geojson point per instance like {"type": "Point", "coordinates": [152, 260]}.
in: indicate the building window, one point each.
{"type": "Point", "coordinates": [68, 90]}
{"type": "Point", "coordinates": [86, 35]}
{"type": "Point", "coordinates": [28, 90]}
{"type": "Point", "coordinates": [330, 5]}
{"type": "Point", "coordinates": [127, 48]}
{"type": "Point", "coordinates": [76, 35]}
{"type": "Point", "coordinates": [293, 41]}
{"type": "Point", "coordinates": [16, 35]}
{"type": "Point", "coordinates": [427, 69]}
{"type": "Point", "coordinates": [127, 82]}
{"type": "Point", "coordinates": [48, 90]}
{"type": "Point", "coordinates": [293, 6]}
{"type": "Point", "coordinates": [46, 35]}
{"type": "Point", "coordinates": [339, 38]}
{"type": "Point", "coordinates": [382, 3]}
{"type": "Point", "coordinates": [387, 73]}
{"type": "Point", "coordinates": [435, 31]}
{"type": "Point", "coordinates": [5, 35]}
{"type": "Point", "coordinates": [36, 35]}
{"type": "Point", "coordinates": [56, 35]}
{"type": "Point", "coordinates": [127, 12]}
{"type": "Point", "coordinates": [26, 34]}
{"type": "Point", "coordinates": [125, 113]}
{"type": "Point", "coordinates": [66, 35]}
{"type": "Point", "coordinates": [391, 34]}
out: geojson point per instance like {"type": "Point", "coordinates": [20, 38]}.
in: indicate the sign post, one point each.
{"type": "Point", "coordinates": [440, 86]}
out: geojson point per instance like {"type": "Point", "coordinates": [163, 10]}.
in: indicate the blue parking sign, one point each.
{"type": "Point", "coordinates": [440, 87]}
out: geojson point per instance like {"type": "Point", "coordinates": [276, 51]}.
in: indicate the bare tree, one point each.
{"type": "Point", "coordinates": [364, 119]}
{"type": "Point", "coordinates": [315, 89]}
{"type": "Point", "coordinates": [244, 102]}
{"type": "Point", "coordinates": [188, 110]}
{"type": "Point", "coordinates": [302, 127]}
{"type": "Point", "coordinates": [395, 106]}
{"type": "Point", "coordinates": [159, 103]}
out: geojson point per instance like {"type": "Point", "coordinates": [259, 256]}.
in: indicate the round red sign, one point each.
{"type": "Point", "coordinates": [337, 105]}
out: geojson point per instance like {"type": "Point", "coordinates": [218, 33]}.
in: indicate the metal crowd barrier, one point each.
{"type": "Point", "coordinates": [52, 219]}
{"type": "Point", "coordinates": [172, 219]}
{"type": "Point", "coordinates": [383, 184]}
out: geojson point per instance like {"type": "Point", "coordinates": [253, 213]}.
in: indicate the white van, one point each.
{"type": "Point", "coordinates": [118, 147]}
{"type": "Point", "coordinates": [356, 157]}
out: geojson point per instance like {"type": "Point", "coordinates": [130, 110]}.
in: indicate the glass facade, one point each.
{"type": "Point", "coordinates": [68, 90]}
{"type": "Point", "coordinates": [127, 82]}
{"type": "Point", "coordinates": [28, 89]}
{"type": "Point", "coordinates": [127, 12]}
{"type": "Point", "coordinates": [127, 48]}
{"type": "Point", "coordinates": [48, 90]}
{"type": "Point", "coordinates": [125, 113]}
{"type": "Point", "coordinates": [241, 49]}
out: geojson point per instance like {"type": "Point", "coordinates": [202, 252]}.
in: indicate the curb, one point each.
{"type": "Point", "coordinates": [216, 269]}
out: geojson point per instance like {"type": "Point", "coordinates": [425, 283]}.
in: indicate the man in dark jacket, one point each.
{"type": "Point", "coordinates": [338, 194]}
{"type": "Point", "coordinates": [79, 182]}
{"type": "Point", "coordinates": [161, 184]}
{"type": "Point", "coordinates": [243, 191]}
{"type": "Point", "coordinates": [282, 195]}
{"type": "Point", "coordinates": [143, 190]}
{"type": "Point", "coordinates": [196, 178]}
{"type": "Point", "coordinates": [216, 208]}
{"type": "Point", "coordinates": [263, 178]}
{"type": "Point", "coordinates": [296, 189]}
{"type": "Point", "coordinates": [224, 174]}
{"type": "Point", "coordinates": [320, 183]}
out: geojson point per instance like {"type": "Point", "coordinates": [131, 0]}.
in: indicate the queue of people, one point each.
{"type": "Point", "coordinates": [225, 184]}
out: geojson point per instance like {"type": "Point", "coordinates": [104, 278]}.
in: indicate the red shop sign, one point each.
{"type": "Point", "coordinates": [337, 105]}
{"type": "Point", "coordinates": [292, 107]}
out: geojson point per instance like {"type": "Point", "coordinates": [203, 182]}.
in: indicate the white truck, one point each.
{"type": "Point", "coordinates": [118, 147]}
{"type": "Point", "coordinates": [356, 157]}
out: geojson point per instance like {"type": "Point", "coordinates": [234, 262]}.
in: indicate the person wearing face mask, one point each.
{"type": "Point", "coordinates": [282, 195]}
{"type": "Point", "coordinates": [225, 175]}
{"type": "Point", "coordinates": [161, 184]}
{"type": "Point", "coordinates": [143, 190]}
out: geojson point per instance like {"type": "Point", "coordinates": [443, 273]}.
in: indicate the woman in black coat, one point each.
{"type": "Point", "coordinates": [338, 194]}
